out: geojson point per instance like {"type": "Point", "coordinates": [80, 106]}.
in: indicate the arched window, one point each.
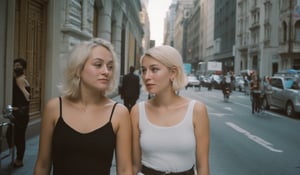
{"type": "Point", "coordinates": [297, 31]}
{"type": "Point", "coordinates": [284, 31]}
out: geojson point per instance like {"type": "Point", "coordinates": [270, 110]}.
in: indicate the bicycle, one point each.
{"type": "Point", "coordinates": [7, 114]}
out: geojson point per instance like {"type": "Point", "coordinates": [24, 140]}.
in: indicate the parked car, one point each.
{"type": "Point", "coordinates": [216, 81]}
{"type": "Point", "coordinates": [285, 94]}
{"type": "Point", "coordinates": [192, 82]}
{"type": "Point", "coordinates": [288, 72]}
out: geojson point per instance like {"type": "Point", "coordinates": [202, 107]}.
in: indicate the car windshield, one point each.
{"type": "Point", "coordinates": [291, 84]}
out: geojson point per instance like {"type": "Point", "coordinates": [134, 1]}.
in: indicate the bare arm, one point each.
{"type": "Point", "coordinates": [123, 141]}
{"type": "Point", "coordinates": [22, 83]}
{"type": "Point", "coordinates": [136, 139]}
{"type": "Point", "coordinates": [44, 159]}
{"type": "Point", "coordinates": [202, 134]}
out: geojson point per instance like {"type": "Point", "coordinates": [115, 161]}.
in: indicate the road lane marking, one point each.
{"type": "Point", "coordinates": [254, 138]}
{"type": "Point", "coordinates": [219, 114]}
{"type": "Point", "coordinates": [228, 108]}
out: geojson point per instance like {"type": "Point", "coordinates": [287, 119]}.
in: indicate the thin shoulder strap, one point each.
{"type": "Point", "coordinates": [112, 111]}
{"type": "Point", "coordinates": [60, 106]}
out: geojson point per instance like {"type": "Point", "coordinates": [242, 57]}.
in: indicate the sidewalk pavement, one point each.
{"type": "Point", "coordinates": [32, 149]}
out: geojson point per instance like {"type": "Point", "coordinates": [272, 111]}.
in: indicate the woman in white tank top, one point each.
{"type": "Point", "coordinates": [170, 132]}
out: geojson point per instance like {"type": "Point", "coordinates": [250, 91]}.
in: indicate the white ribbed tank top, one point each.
{"type": "Point", "coordinates": [168, 149]}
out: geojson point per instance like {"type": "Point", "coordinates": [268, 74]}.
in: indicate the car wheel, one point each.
{"type": "Point", "coordinates": [289, 110]}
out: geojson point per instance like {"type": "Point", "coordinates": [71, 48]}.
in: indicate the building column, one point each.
{"type": "Point", "coordinates": [87, 16]}
{"type": "Point", "coordinates": [104, 21]}
{"type": "Point", "coordinates": [7, 35]}
{"type": "Point", "coordinates": [117, 30]}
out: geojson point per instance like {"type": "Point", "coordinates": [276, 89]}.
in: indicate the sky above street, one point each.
{"type": "Point", "coordinates": [157, 10]}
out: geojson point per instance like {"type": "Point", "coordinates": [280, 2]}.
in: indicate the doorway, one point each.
{"type": "Point", "coordinates": [30, 43]}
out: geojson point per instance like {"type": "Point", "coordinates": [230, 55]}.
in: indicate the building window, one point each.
{"type": "Point", "coordinates": [297, 27]}
{"type": "Point", "coordinates": [284, 32]}
{"type": "Point", "coordinates": [267, 32]}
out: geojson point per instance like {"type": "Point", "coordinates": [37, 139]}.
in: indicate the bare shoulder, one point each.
{"type": "Point", "coordinates": [134, 113]}
{"type": "Point", "coordinates": [199, 107]}
{"type": "Point", "coordinates": [21, 80]}
{"type": "Point", "coordinates": [200, 111]}
{"type": "Point", "coordinates": [121, 112]}
{"type": "Point", "coordinates": [53, 103]}
{"type": "Point", "coordinates": [52, 109]}
{"type": "Point", "coordinates": [134, 110]}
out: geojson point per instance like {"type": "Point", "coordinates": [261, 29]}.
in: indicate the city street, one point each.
{"type": "Point", "coordinates": [242, 143]}
{"type": "Point", "coordinates": [247, 144]}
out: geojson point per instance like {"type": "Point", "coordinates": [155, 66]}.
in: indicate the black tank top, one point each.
{"type": "Point", "coordinates": [76, 153]}
{"type": "Point", "coordinates": [19, 99]}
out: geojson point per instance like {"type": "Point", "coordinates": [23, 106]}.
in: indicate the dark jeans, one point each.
{"type": "Point", "coordinates": [21, 121]}
{"type": "Point", "coordinates": [129, 102]}
{"type": "Point", "coordinates": [255, 102]}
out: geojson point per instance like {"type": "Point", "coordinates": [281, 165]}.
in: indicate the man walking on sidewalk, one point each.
{"type": "Point", "coordinates": [130, 91]}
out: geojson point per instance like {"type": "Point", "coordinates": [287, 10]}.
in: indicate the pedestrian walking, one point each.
{"type": "Point", "coordinates": [170, 132]}
{"type": "Point", "coordinates": [130, 88]}
{"type": "Point", "coordinates": [267, 90]}
{"type": "Point", "coordinates": [81, 129]}
{"type": "Point", "coordinates": [20, 103]}
{"type": "Point", "coordinates": [255, 92]}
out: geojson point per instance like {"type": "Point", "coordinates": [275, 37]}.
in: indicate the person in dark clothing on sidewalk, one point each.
{"type": "Point", "coordinates": [130, 88]}
{"type": "Point", "coordinates": [20, 102]}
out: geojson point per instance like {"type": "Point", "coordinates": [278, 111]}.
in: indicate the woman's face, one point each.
{"type": "Point", "coordinates": [18, 65]}
{"type": "Point", "coordinates": [18, 69]}
{"type": "Point", "coordinates": [98, 69]}
{"type": "Point", "coordinates": [155, 75]}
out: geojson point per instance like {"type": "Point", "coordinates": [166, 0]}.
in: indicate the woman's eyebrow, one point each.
{"type": "Point", "coordinates": [101, 59]}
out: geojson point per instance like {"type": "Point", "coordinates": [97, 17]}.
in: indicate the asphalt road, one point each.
{"type": "Point", "coordinates": [243, 143]}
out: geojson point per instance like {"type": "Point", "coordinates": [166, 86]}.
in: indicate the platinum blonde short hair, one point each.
{"type": "Point", "coordinates": [171, 58]}
{"type": "Point", "coordinates": [76, 62]}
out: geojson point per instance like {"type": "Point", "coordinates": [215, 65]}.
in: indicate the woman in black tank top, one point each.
{"type": "Point", "coordinates": [81, 130]}
{"type": "Point", "coordinates": [20, 102]}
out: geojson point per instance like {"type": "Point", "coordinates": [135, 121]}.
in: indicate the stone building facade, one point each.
{"type": "Point", "coordinates": [45, 31]}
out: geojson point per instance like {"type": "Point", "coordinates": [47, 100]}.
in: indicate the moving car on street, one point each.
{"type": "Point", "coordinates": [192, 82]}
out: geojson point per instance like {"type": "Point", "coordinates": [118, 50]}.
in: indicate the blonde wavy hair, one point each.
{"type": "Point", "coordinates": [171, 58]}
{"type": "Point", "coordinates": [78, 57]}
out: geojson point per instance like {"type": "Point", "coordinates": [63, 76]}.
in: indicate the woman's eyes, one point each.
{"type": "Point", "coordinates": [99, 65]}
{"type": "Point", "coordinates": [153, 69]}
{"type": "Point", "coordinates": [110, 67]}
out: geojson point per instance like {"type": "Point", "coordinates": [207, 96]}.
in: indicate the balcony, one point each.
{"type": "Point", "coordinates": [242, 48]}
{"type": "Point", "coordinates": [284, 47]}
{"type": "Point", "coordinates": [296, 47]}
{"type": "Point", "coordinates": [254, 26]}
{"type": "Point", "coordinates": [254, 48]}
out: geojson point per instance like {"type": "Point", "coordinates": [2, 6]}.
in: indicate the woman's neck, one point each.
{"type": "Point", "coordinates": [165, 99]}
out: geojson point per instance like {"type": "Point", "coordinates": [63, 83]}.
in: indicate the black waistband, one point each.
{"type": "Point", "coordinates": [150, 171]}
